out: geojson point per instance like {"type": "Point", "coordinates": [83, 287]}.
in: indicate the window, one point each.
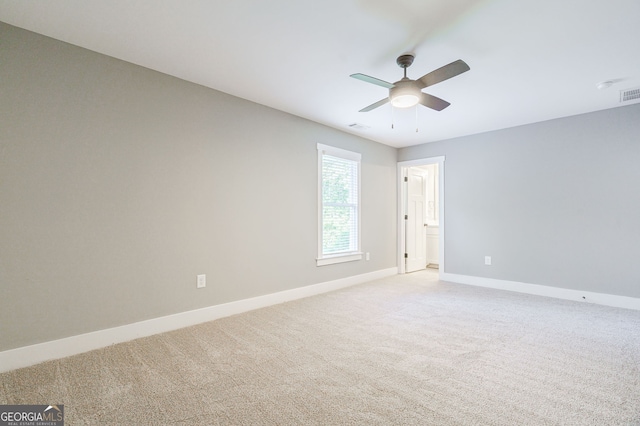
{"type": "Point", "coordinates": [339, 205]}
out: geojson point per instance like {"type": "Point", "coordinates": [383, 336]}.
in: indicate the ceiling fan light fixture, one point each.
{"type": "Point", "coordinates": [404, 101]}
{"type": "Point", "coordinates": [404, 95]}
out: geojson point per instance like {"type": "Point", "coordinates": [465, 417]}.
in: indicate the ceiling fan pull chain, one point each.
{"type": "Point", "coordinates": [416, 118]}
{"type": "Point", "coordinates": [392, 116]}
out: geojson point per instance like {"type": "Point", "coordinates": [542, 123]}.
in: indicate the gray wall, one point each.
{"type": "Point", "coordinates": [555, 203]}
{"type": "Point", "coordinates": [119, 184]}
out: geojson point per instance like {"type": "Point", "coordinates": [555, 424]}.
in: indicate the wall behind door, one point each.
{"type": "Point", "coordinates": [554, 203]}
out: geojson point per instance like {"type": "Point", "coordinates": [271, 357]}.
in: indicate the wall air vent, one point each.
{"type": "Point", "coordinates": [630, 94]}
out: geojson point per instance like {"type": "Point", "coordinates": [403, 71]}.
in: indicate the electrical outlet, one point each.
{"type": "Point", "coordinates": [202, 281]}
{"type": "Point", "coordinates": [487, 260]}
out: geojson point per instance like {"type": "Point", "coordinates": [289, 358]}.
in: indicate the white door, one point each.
{"type": "Point", "coordinates": [415, 247]}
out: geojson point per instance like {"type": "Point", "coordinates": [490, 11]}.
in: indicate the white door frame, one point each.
{"type": "Point", "coordinates": [402, 198]}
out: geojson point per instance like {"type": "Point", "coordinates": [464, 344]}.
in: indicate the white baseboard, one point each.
{"type": "Point", "coordinates": [543, 290]}
{"type": "Point", "coordinates": [55, 349]}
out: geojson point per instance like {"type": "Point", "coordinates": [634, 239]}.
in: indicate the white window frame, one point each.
{"type": "Point", "coordinates": [351, 256]}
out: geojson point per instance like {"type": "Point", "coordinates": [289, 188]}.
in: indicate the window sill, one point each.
{"type": "Point", "coordinates": [339, 258]}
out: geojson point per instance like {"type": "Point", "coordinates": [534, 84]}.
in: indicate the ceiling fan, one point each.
{"type": "Point", "coordinates": [406, 93]}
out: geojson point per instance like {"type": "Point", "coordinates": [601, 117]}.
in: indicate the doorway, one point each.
{"type": "Point", "coordinates": [421, 215]}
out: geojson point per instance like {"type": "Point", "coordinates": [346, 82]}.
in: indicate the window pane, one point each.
{"type": "Point", "coordinates": [339, 205]}
{"type": "Point", "coordinates": [339, 180]}
{"type": "Point", "coordinates": [339, 233]}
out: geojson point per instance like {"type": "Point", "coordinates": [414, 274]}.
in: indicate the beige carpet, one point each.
{"type": "Point", "coordinates": [403, 350]}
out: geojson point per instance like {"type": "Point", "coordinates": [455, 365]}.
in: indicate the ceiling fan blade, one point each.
{"type": "Point", "coordinates": [372, 80]}
{"type": "Point", "coordinates": [443, 73]}
{"type": "Point", "coordinates": [374, 106]}
{"type": "Point", "coordinates": [433, 102]}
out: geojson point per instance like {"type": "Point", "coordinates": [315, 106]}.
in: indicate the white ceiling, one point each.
{"type": "Point", "coordinates": [531, 60]}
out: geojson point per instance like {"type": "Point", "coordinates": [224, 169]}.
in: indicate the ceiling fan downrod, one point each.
{"type": "Point", "coordinates": [404, 62]}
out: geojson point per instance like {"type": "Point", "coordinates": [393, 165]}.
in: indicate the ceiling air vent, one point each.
{"type": "Point", "coordinates": [630, 94]}
{"type": "Point", "coordinates": [358, 126]}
